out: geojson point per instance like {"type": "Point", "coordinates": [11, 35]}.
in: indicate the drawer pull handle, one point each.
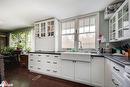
{"type": "Point", "coordinates": [39, 55]}
{"type": "Point", "coordinates": [31, 59]}
{"type": "Point", "coordinates": [31, 66]}
{"type": "Point", "coordinates": [55, 56]}
{"type": "Point", "coordinates": [115, 83]}
{"type": "Point", "coordinates": [116, 69]}
{"type": "Point", "coordinates": [54, 62]}
{"type": "Point", "coordinates": [48, 61]}
{"type": "Point", "coordinates": [31, 54]}
{"type": "Point", "coordinates": [47, 55]}
{"type": "Point", "coordinates": [48, 70]}
{"type": "Point", "coordinates": [38, 61]}
{"type": "Point", "coordinates": [54, 71]}
{"type": "Point", "coordinates": [38, 68]}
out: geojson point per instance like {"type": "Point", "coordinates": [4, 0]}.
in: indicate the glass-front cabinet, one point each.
{"type": "Point", "coordinates": [50, 28]}
{"type": "Point", "coordinates": [45, 28]}
{"type": "Point", "coordinates": [112, 28]}
{"type": "Point", "coordinates": [119, 24]}
{"type": "Point", "coordinates": [37, 30]}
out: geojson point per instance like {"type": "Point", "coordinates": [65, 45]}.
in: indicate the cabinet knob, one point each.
{"type": "Point", "coordinates": [54, 71]}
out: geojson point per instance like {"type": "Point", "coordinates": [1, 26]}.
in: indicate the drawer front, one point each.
{"type": "Point", "coordinates": [86, 58]}
{"type": "Point", "coordinates": [67, 56]}
{"type": "Point", "coordinates": [56, 56]}
{"type": "Point", "coordinates": [117, 69]}
{"type": "Point", "coordinates": [117, 81]}
{"type": "Point", "coordinates": [32, 67]}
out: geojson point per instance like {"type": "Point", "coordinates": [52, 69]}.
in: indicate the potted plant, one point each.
{"type": "Point", "coordinates": [7, 50]}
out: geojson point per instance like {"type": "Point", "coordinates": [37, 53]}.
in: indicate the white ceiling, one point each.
{"type": "Point", "coordinates": [22, 13]}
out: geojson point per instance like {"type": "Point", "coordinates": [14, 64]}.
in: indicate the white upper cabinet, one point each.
{"type": "Point", "coordinates": [119, 24]}
{"type": "Point", "coordinates": [47, 35]}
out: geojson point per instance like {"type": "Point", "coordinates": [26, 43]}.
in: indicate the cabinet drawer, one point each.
{"type": "Point", "coordinates": [56, 56]}
{"type": "Point", "coordinates": [31, 67]}
{"type": "Point", "coordinates": [117, 69]}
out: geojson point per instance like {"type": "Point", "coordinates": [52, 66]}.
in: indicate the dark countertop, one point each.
{"type": "Point", "coordinates": [47, 52]}
{"type": "Point", "coordinates": [121, 60]}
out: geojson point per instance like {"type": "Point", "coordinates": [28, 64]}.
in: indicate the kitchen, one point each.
{"type": "Point", "coordinates": [48, 43]}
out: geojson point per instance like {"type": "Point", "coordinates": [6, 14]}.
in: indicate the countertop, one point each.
{"type": "Point", "coordinates": [47, 52]}
{"type": "Point", "coordinates": [121, 60]}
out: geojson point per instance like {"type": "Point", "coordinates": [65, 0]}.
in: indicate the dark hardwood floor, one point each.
{"type": "Point", "coordinates": [21, 77]}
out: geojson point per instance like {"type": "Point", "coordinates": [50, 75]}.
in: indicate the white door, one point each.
{"type": "Point", "coordinates": [98, 71]}
{"type": "Point", "coordinates": [108, 73]}
{"type": "Point", "coordinates": [67, 69]}
{"type": "Point", "coordinates": [82, 71]}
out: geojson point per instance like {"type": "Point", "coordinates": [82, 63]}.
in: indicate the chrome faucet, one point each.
{"type": "Point", "coordinates": [80, 44]}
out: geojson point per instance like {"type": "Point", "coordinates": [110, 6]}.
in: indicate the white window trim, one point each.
{"type": "Point", "coordinates": [76, 18]}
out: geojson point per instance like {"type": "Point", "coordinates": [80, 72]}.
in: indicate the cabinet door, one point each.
{"type": "Point", "coordinates": [108, 73]}
{"type": "Point", "coordinates": [82, 71]}
{"type": "Point", "coordinates": [68, 69]}
{"type": "Point", "coordinates": [98, 71]}
{"type": "Point", "coordinates": [37, 30]}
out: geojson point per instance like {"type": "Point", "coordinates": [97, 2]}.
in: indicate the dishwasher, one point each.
{"type": "Point", "coordinates": [127, 76]}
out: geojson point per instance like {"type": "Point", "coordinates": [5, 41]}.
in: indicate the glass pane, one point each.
{"type": "Point", "coordinates": [68, 41]}
{"type": "Point", "coordinates": [91, 40]}
{"type": "Point", "coordinates": [113, 20]}
{"type": "Point", "coordinates": [92, 21]}
{"type": "Point", "coordinates": [125, 9]}
{"type": "Point", "coordinates": [86, 29]}
{"type": "Point", "coordinates": [68, 27]}
{"type": "Point", "coordinates": [81, 29]}
{"type": "Point", "coordinates": [86, 23]}
{"type": "Point", "coordinates": [120, 14]}
{"type": "Point", "coordinates": [87, 40]}
{"type": "Point", "coordinates": [120, 23]}
{"type": "Point", "coordinates": [92, 28]}
{"type": "Point", "coordinates": [126, 20]}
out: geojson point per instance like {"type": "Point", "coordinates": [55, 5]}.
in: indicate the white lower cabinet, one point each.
{"type": "Point", "coordinates": [87, 70]}
{"type": "Point", "coordinates": [67, 69]}
{"type": "Point", "coordinates": [83, 72]}
{"type": "Point", "coordinates": [108, 73]}
{"type": "Point", "coordinates": [97, 71]}
{"type": "Point", "coordinates": [45, 64]}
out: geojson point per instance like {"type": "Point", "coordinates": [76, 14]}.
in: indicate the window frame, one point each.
{"type": "Point", "coordinates": [76, 34]}
{"type": "Point", "coordinates": [68, 34]}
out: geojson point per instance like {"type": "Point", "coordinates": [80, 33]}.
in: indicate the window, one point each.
{"type": "Point", "coordinates": [22, 38]}
{"type": "Point", "coordinates": [87, 32]}
{"type": "Point", "coordinates": [68, 31]}
{"type": "Point", "coordinates": [85, 35]}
